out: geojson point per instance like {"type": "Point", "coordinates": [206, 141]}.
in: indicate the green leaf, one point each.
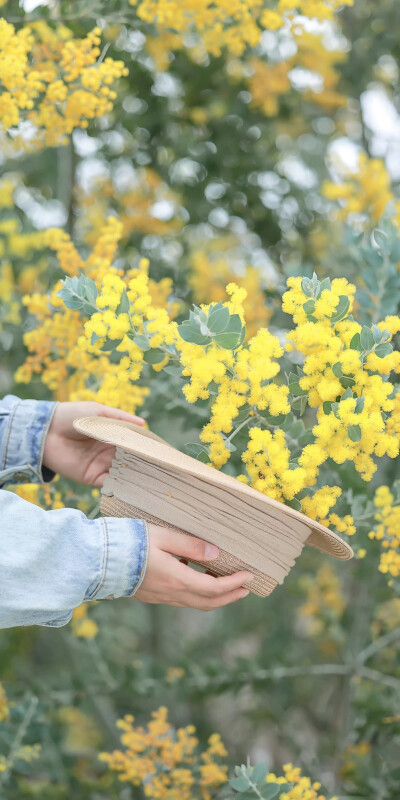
{"type": "Point", "coordinates": [95, 338]}
{"type": "Point", "coordinates": [294, 386]}
{"type": "Point", "coordinates": [240, 784]}
{"type": "Point", "coordinates": [63, 294]}
{"type": "Point", "coordinates": [337, 369]}
{"type": "Point", "coordinates": [271, 790]}
{"type": "Point", "coordinates": [383, 349]}
{"type": "Point", "coordinates": [287, 421]}
{"type": "Point", "coordinates": [194, 449]}
{"type": "Point", "coordinates": [355, 343]}
{"type": "Point", "coordinates": [335, 407]}
{"type": "Point", "coordinates": [347, 381]}
{"type": "Point", "coordinates": [309, 307]}
{"type": "Point", "coordinates": [377, 334]}
{"type": "Point", "coordinates": [229, 341]}
{"type": "Point", "coordinates": [175, 372]}
{"type": "Point", "coordinates": [90, 291]}
{"type": "Point", "coordinates": [259, 773]}
{"type": "Point", "coordinates": [203, 457]}
{"type": "Point", "coordinates": [192, 334]}
{"type": "Point", "coordinates": [297, 428]}
{"type": "Point", "coordinates": [342, 309]}
{"type": "Point", "coordinates": [367, 338]}
{"type": "Point", "coordinates": [124, 305]}
{"type": "Point", "coordinates": [278, 420]}
{"type": "Point", "coordinates": [74, 303]}
{"type": "Point", "coordinates": [87, 309]}
{"type": "Point", "coordinates": [347, 394]}
{"type": "Point", "coordinates": [281, 787]}
{"type": "Point", "coordinates": [202, 316]}
{"type": "Point", "coordinates": [306, 438]}
{"type": "Point", "coordinates": [154, 356]}
{"type": "Point", "coordinates": [293, 503]}
{"type": "Point", "coordinates": [360, 403]}
{"type": "Point", "coordinates": [218, 320]}
{"type": "Point", "coordinates": [354, 433]}
{"type": "Point", "coordinates": [110, 344]}
{"type": "Point", "coordinates": [242, 336]}
{"type": "Point", "coordinates": [142, 342]}
{"type": "Point", "coordinates": [325, 284]}
{"type": "Point", "coordinates": [235, 324]}
{"type": "Point", "coordinates": [372, 257]}
{"type": "Point", "coordinates": [306, 286]}
{"type": "Point", "coordinates": [300, 404]}
{"type": "Point", "coordinates": [381, 239]}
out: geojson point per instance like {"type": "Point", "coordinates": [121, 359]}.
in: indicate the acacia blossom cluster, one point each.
{"type": "Point", "coordinates": [387, 530]}
{"type": "Point", "coordinates": [269, 81]}
{"type": "Point", "coordinates": [248, 392]}
{"type": "Point", "coordinates": [363, 190]}
{"type": "Point", "coordinates": [167, 763]}
{"type": "Point", "coordinates": [233, 25]}
{"type": "Point", "coordinates": [56, 82]}
{"type": "Point", "coordinates": [210, 275]}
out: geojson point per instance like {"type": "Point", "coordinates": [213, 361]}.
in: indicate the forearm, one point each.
{"type": "Point", "coordinates": [23, 428]}
{"type": "Point", "coordinates": [52, 561]}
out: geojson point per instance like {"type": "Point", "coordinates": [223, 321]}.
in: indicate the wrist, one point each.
{"type": "Point", "coordinates": [49, 456]}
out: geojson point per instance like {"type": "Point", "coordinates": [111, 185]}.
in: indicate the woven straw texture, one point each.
{"type": "Point", "coordinates": [154, 454]}
{"type": "Point", "coordinates": [226, 564]}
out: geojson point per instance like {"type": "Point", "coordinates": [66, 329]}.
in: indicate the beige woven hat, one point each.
{"type": "Point", "coordinates": [149, 479]}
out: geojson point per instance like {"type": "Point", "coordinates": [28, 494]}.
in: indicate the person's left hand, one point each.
{"type": "Point", "coordinates": [74, 455]}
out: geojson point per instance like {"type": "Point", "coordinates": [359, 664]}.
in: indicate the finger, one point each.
{"type": "Point", "coordinates": [212, 603]}
{"type": "Point", "coordinates": [117, 413]}
{"type": "Point", "coordinates": [187, 579]}
{"type": "Point", "coordinates": [98, 482]}
{"type": "Point", "coordinates": [182, 544]}
{"type": "Point", "coordinates": [229, 597]}
{"type": "Point", "coordinates": [209, 586]}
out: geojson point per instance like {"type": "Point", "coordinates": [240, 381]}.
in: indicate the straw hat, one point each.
{"type": "Point", "coordinates": [149, 479]}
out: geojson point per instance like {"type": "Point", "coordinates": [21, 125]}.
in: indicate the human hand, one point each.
{"type": "Point", "coordinates": [74, 455]}
{"type": "Point", "coordinates": [173, 583]}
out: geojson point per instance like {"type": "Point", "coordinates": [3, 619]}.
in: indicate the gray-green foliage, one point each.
{"type": "Point", "coordinates": [217, 325]}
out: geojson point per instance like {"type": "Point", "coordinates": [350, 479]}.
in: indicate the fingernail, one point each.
{"type": "Point", "coordinates": [211, 551]}
{"type": "Point", "coordinates": [244, 593]}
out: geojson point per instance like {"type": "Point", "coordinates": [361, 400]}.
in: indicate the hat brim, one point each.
{"type": "Point", "coordinates": [140, 441]}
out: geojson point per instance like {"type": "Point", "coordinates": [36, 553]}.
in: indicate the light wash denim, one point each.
{"type": "Point", "coordinates": [51, 561]}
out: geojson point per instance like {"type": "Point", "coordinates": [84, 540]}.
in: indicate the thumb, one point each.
{"type": "Point", "coordinates": [117, 413]}
{"type": "Point", "coordinates": [182, 544]}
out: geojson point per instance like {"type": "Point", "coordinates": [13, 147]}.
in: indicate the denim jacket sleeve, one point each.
{"type": "Point", "coordinates": [52, 561]}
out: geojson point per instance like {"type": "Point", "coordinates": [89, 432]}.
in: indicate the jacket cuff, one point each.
{"type": "Point", "coordinates": [28, 425]}
{"type": "Point", "coordinates": [126, 547]}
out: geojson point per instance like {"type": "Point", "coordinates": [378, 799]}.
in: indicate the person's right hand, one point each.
{"type": "Point", "coordinates": [173, 583]}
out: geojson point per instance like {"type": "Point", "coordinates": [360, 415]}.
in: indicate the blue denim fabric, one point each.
{"type": "Point", "coordinates": [51, 561]}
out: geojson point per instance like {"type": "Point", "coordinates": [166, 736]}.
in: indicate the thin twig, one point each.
{"type": "Point", "coordinates": [101, 664]}
{"type": "Point", "coordinates": [19, 737]}
{"type": "Point", "coordinates": [379, 644]}
{"type": "Point", "coordinates": [379, 677]}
